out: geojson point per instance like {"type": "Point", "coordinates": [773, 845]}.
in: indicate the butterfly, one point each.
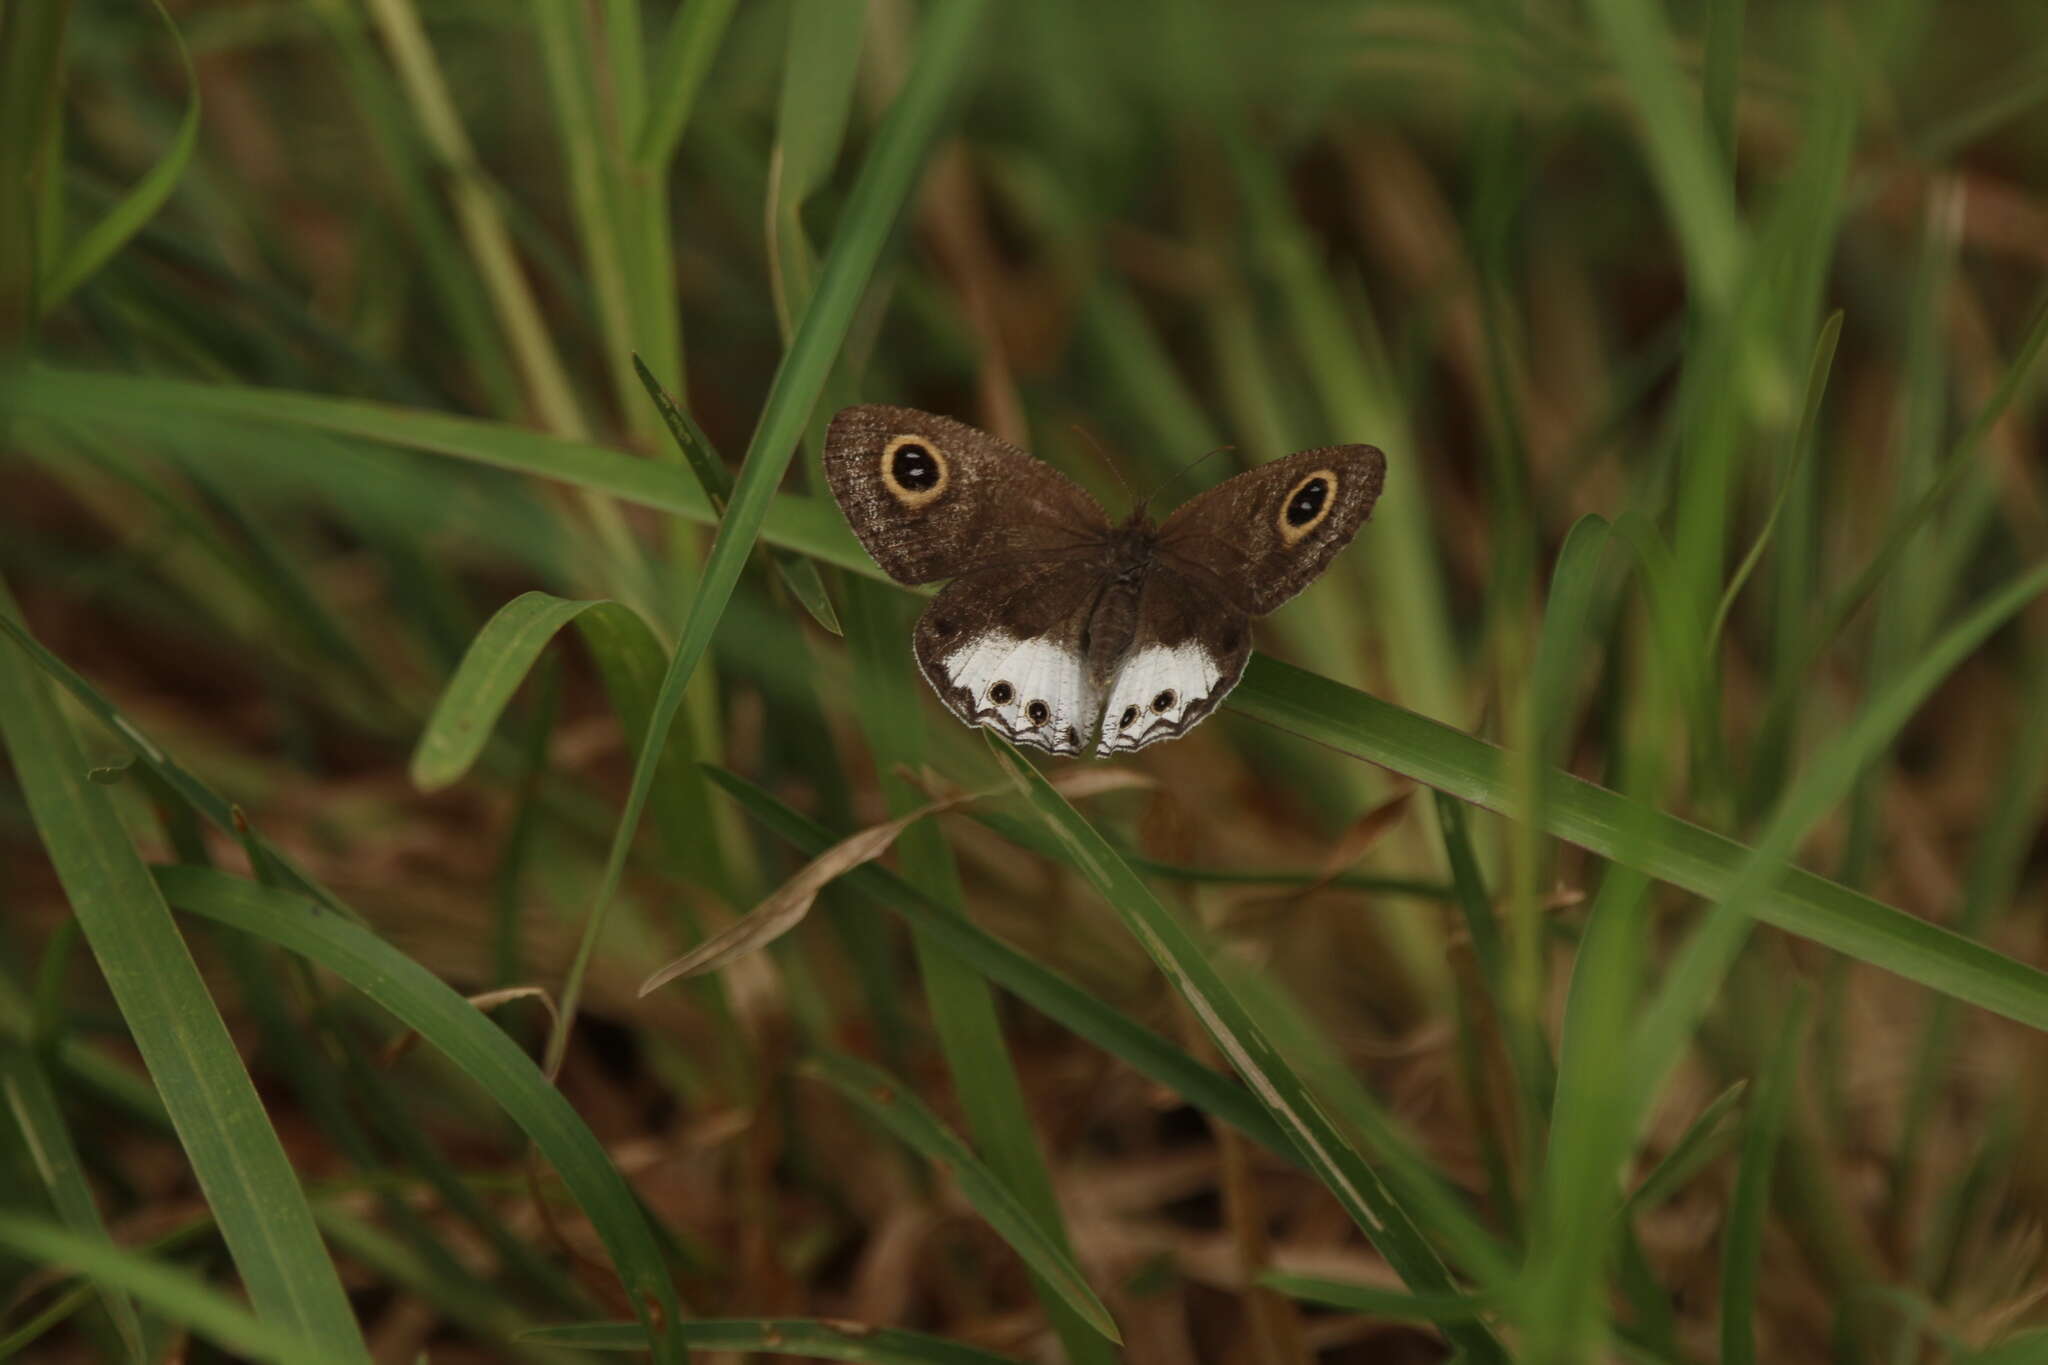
{"type": "Point", "coordinates": [1061, 629]}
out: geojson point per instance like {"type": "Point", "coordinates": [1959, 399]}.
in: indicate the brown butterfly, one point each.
{"type": "Point", "coordinates": [1059, 626]}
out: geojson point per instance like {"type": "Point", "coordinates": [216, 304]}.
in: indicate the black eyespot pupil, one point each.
{"type": "Point", "coordinates": [1163, 700]}
{"type": "Point", "coordinates": [1001, 693]}
{"type": "Point", "coordinates": [1306, 502]}
{"type": "Point", "coordinates": [1039, 712]}
{"type": "Point", "coordinates": [914, 467]}
{"type": "Point", "coordinates": [1130, 714]}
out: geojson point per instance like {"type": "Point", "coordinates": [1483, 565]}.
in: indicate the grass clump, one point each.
{"type": "Point", "coordinates": [350, 355]}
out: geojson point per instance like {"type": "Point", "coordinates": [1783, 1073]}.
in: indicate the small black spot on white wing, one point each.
{"type": "Point", "coordinates": [1001, 693]}
{"type": "Point", "coordinates": [1073, 738]}
{"type": "Point", "coordinates": [1130, 714]}
{"type": "Point", "coordinates": [1163, 702]}
{"type": "Point", "coordinates": [1039, 712]}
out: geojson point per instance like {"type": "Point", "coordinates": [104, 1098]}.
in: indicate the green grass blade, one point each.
{"type": "Point", "coordinates": [31, 125]}
{"type": "Point", "coordinates": [1663, 846]}
{"type": "Point", "coordinates": [83, 259]}
{"type": "Point", "coordinates": [628, 658]}
{"type": "Point", "coordinates": [497, 661]}
{"type": "Point", "coordinates": [680, 64]}
{"type": "Point", "coordinates": [898, 1109]}
{"type": "Point", "coordinates": [240, 1164]}
{"type": "Point", "coordinates": [1742, 1239]}
{"type": "Point", "coordinates": [1392, 1304]}
{"type": "Point", "coordinates": [799, 575]}
{"type": "Point", "coordinates": [140, 407]}
{"type": "Point", "coordinates": [1697, 971]}
{"type": "Point", "coordinates": [1712, 1131]}
{"type": "Point", "coordinates": [1040, 987]}
{"type": "Point", "coordinates": [1325, 1150]}
{"type": "Point", "coordinates": [175, 776]}
{"type": "Point", "coordinates": [1802, 442]}
{"type": "Point", "coordinates": [562, 32]}
{"type": "Point", "coordinates": [806, 1337]}
{"type": "Point", "coordinates": [1687, 165]}
{"type": "Point", "coordinates": [26, 1089]}
{"type": "Point", "coordinates": [476, 1045]}
{"type": "Point", "coordinates": [179, 1296]}
{"type": "Point", "coordinates": [961, 1004]}
{"type": "Point", "coordinates": [878, 197]}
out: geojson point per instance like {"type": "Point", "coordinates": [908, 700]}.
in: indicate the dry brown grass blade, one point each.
{"type": "Point", "coordinates": [787, 906]}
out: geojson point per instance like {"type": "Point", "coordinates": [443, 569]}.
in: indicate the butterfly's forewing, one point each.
{"type": "Point", "coordinates": [933, 498]}
{"type": "Point", "coordinates": [1002, 648]}
{"type": "Point", "coordinates": [1235, 552]}
{"type": "Point", "coordinates": [1188, 651]}
{"type": "Point", "coordinates": [1259, 538]}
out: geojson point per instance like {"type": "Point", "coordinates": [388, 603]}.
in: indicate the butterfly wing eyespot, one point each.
{"type": "Point", "coordinates": [1163, 702]}
{"type": "Point", "coordinates": [1001, 693]}
{"type": "Point", "coordinates": [1307, 505]}
{"type": "Point", "coordinates": [914, 469]}
{"type": "Point", "coordinates": [1124, 721]}
{"type": "Point", "coordinates": [1038, 713]}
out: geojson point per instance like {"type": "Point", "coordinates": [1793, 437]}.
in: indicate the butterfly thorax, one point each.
{"type": "Point", "coordinates": [1128, 556]}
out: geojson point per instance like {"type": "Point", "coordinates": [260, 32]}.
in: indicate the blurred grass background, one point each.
{"type": "Point", "coordinates": [1701, 338]}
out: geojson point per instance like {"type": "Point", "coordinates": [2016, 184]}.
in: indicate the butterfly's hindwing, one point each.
{"type": "Point", "coordinates": [1189, 651]}
{"type": "Point", "coordinates": [1003, 649]}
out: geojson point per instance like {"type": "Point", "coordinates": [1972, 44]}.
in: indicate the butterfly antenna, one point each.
{"type": "Point", "coordinates": [1181, 473]}
{"type": "Point", "coordinates": [1103, 456]}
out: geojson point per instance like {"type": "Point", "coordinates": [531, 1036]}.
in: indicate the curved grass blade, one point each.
{"type": "Point", "coordinates": [138, 407]}
{"type": "Point", "coordinates": [173, 775]}
{"type": "Point", "coordinates": [898, 1109]}
{"type": "Point", "coordinates": [628, 658]}
{"type": "Point", "coordinates": [884, 186]}
{"type": "Point", "coordinates": [241, 1166]}
{"type": "Point", "coordinates": [1802, 442]}
{"type": "Point", "coordinates": [139, 205]}
{"type": "Point", "coordinates": [800, 575]}
{"type": "Point", "coordinates": [1663, 846]}
{"type": "Point", "coordinates": [1395, 1304]}
{"type": "Point", "coordinates": [178, 1295]}
{"type": "Point", "coordinates": [1045, 990]}
{"type": "Point", "coordinates": [26, 1090]}
{"type": "Point", "coordinates": [961, 1005]}
{"type": "Point", "coordinates": [1712, 1131]}
{"type": "Point", "coordinates": [497, 661]}
{"type": "Point", "coordinates": [815, 1338]}
{"type": "Point", "coordinates": [475, 1045]}
{"type": "Point", "coordinates": [1323, 1148]}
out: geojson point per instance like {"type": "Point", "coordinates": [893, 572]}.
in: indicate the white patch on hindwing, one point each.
{"type": "Point", "coordinates": [1150, 696]}
{"type": "Point", "coordinates": [1014, 682]}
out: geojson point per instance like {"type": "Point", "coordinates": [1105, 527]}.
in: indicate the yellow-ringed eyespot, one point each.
{"type": "Point", "coordinates": [1306, 504]}
{"type": "Point", "coordinates": [914, 470]}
